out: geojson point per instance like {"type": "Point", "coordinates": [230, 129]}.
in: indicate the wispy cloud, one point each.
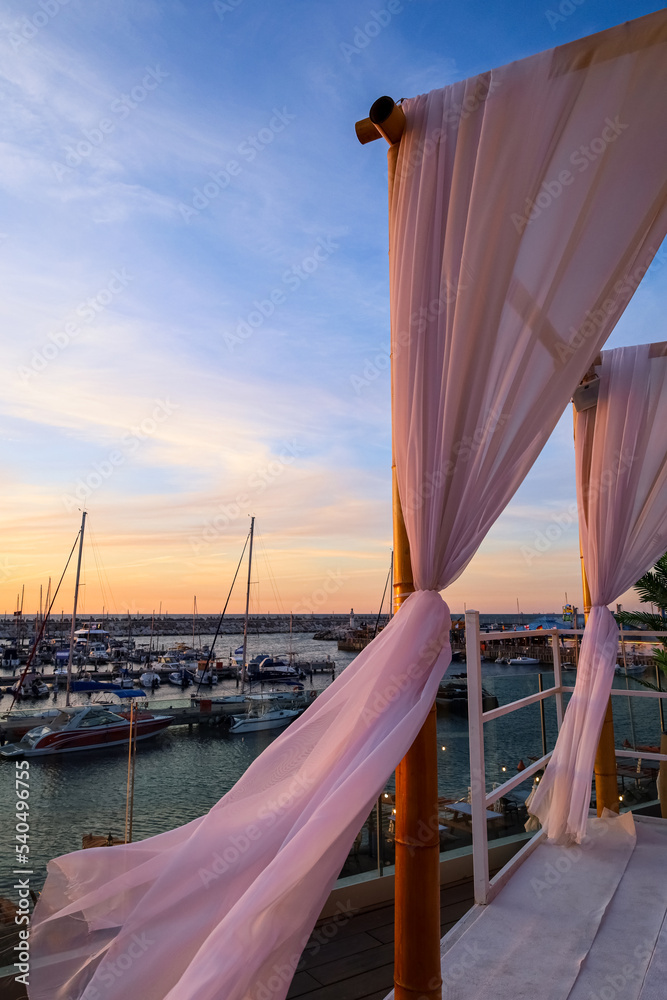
{"type": "Point", "coordinates": [116, 116]}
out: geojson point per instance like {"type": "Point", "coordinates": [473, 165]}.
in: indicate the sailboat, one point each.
{"type": "Point", "coordinates": [72, 637]}
{"type": "Point", "coordinates": [260, 714]}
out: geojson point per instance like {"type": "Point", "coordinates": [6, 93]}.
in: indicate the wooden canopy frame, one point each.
{"type": "Point", "coordinates": [417, 840]}
{"type": "Point", "coordinates": [417, 969]}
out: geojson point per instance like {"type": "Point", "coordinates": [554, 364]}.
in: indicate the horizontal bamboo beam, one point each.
{"type": "Point", "coordinates": [655, 351]}
{"type": "Point", "coordinates": [386, 118]}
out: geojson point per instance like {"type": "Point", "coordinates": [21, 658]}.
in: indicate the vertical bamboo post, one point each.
{"type": "Point", "coordinates": [417, 881]}
{"type": "Point", "coordinates": [417, 839]}
{"type": "Point", "coordinates": [606, 778]}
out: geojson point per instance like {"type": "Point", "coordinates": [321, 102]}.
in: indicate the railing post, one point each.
{"type": "Point", "coordinates": [480, 853]}
{"type": "Point", "coordinates": [658, 682]}
{"type": "Point", "coordinates": [558, 677]}
{"type": "Point", "coordinates": [378, 833]}
{"type": "Point", "coordinates": [543, 721]}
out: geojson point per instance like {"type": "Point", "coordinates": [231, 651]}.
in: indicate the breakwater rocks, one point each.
{"type": "Point", "coordinates": [328, 627]}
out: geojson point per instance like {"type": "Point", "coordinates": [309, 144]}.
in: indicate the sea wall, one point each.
{"type": "Point", "coordinates": [120, 626]}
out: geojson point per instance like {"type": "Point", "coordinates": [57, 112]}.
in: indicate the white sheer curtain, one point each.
{"type": "Point", "coordinates": [621, 452]}
{"type": "Point", "coordinates": [496, 316]}
{"type": "Point", "coordinates": [491, 333]}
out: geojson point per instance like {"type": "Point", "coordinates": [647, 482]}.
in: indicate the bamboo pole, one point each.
{"type": "Point", "coordinates": [417, 839]}
{"type": "Point", "coordinates": [606, 778]}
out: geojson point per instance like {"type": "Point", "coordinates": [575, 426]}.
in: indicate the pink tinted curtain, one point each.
{"type": "Point", "coordinates": [491, 331]}
{"type": "Point", "coordinates": [512, 259]}
{"type": "Point", "coordinates": [621, 454]}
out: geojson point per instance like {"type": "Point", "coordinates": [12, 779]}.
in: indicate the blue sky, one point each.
{"type": "Point", "coordinates": [193, 246]}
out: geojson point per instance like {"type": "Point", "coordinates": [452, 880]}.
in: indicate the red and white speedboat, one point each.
{"type": "Point", "coordinates": [89, 728]}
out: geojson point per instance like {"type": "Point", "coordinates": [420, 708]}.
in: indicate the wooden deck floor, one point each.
{"type": "Point", "coordinates": [352, 959]}
{"type": "Point", "coordinates": [346, 958]}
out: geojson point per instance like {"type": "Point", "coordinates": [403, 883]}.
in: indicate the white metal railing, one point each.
{"type": "Point", "coordinates": [480, 799]}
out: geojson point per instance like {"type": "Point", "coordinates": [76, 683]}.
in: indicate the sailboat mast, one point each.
{"type": "Point", "coordinates": [391, 574]}
{"type": "Point", "coordinates": [291, 650]}
{"type": "Point", "coordinates": [76, 598]}
{"type": "Point", "coordinates": [247, 608]}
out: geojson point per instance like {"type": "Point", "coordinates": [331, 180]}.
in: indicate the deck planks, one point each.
{"type": "Point", "coordinates": [357, 963]}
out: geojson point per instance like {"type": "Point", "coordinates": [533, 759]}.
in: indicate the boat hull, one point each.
{"type": "Point", "coordinates": [242, 724]}
{"type": "Point", "coordinates": [95, 738]}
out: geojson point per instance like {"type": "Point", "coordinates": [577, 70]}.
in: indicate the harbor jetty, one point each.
{"type": "Point", "coordinates": [325, 626]}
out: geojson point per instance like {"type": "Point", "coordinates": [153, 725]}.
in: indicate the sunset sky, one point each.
{"type": "Point", "coordinates": [195, 312]}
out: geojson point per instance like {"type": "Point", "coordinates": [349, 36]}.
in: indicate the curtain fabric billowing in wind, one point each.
{"type": "Point", "coordinates": [621, 456]}
{"type": "Point", "coordinates": [527, 204]}
{"type": "Point", "coordinates": [494, 321]}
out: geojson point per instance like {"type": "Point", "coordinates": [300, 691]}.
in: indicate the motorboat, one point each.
{"type": "Point", "coordinates": [15, 724]}
{"type": "Point", "coordinates": [98, 654]}
{"type": "Point", "coordinates": [519, 661]}
{"type": "Point", "coordinates": [180, 678]}
{"type": "Point", "coordinates": [31, 686]}
{"type": "Point", "coordinates": [568, 666]}
{"type": "Point", "coordinates": [270, 668]}
{"type": "Point", "coordinates": [11, 657]}
{"type": "Point", "coordinates": [150, 680]}
{"type": "Point", "coordinates": [123, 679]}
{"type": "Point", "coordinates": [632, 669]}
{"type": "Point", "coordinates": [93, 633]}
{"type": "Point", "coordinates": [88, 728]}
{"type": "Point", "coordinates": [209, 677]}
{"type": "Point", "coordinates": [270, 718]}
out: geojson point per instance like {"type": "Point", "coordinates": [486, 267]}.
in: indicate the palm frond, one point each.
{"type": "Point", "coordinates": [661, 657]}
{"type": "Point", "coordinates": [652, 587]}
{"type": "Point", "coordinates": [639, 619]}
{"type": "Point", "coordinates": [647, 684]}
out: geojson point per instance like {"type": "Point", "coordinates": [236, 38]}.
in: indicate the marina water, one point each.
{"type": "Point", "coordinates": [182, 772]}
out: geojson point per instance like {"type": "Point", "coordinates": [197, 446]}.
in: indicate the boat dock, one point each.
{"type": "Point", "coordinates": [543, 651]}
